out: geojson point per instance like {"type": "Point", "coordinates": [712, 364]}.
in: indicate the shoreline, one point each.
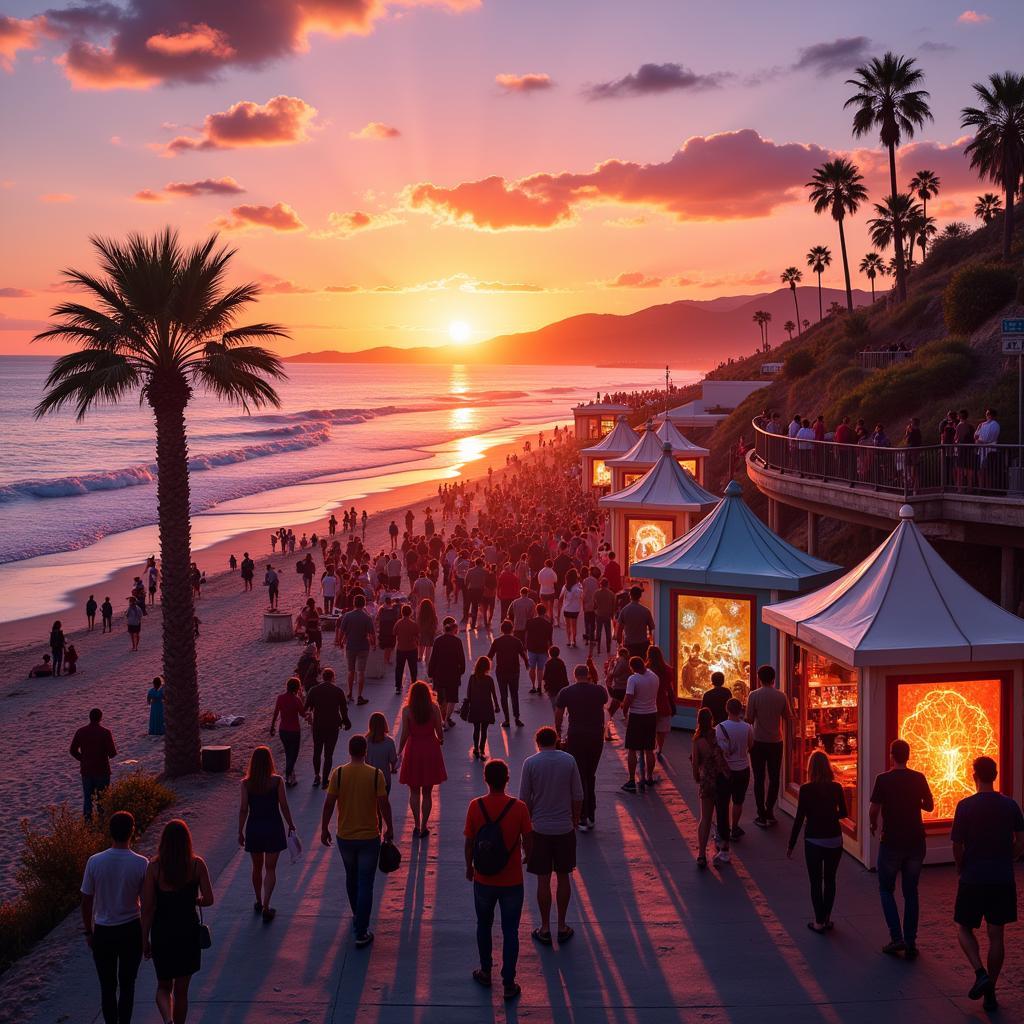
{"type": "Point", "coordinates": [19, 633]}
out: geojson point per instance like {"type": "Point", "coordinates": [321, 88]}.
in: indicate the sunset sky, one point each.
{"type": "Point", "coordinates": [387, 169]}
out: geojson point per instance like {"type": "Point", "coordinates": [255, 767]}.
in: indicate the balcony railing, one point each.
{"type": "Point", "coordinates": [882, 360]}
{"type": "Point", "coordinates": [993, 470]}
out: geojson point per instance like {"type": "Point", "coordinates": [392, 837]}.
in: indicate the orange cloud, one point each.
{"type": "Point", "coordinates": [272, 285]}
{"type": "Point", "coordinates": [636, 279]}
{"type": "Point", "coordinates": [341, 225]}
{"type": "Point", "coordinates": [973, 18]}
{"type": "Point", "coordinates": [199, 39]}
{"type": "Point", "coordinates": [532, 81]}
{"type": "Point", "coordinates": [490, 204]}
{"type": "Point", "coordinates": [56, 197]}
{"type": "Point", "coordinates": [147, 195]}
{"type": "Point", "coordinates": [375, 131]}
{"type": "Point", "coordinates": [225, 186]}
{"type": "Point", "coordinates": [342, 289]}
{"type": "Point", "coordinates": [279, 217]}
{"type": "Point", "coordinates": [280, 121]}
{"type": "Point", "coordinates": [19, 34]}
{"type": "Point", "coordinates": [15, 293]}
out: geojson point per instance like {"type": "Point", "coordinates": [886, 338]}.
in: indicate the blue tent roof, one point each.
{"type": "Point", "coordinates": [732, 548]}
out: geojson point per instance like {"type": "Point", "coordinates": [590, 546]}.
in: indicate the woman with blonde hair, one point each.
{"type": "Point", "coordinates": [260, 827]}
{"type": "Point", "coordinates": [426, 618]}
{"type": "Point", "coordinates": [822, 805]}
{"type": "Point", "coordinates": [176, 883]}
{"type": "Point", "coordinates": [419, 747]}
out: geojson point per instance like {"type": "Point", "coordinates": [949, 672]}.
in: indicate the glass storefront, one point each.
{"type": "Point", "coordinates": [714, 633]}
{"type": "Point", "coordinates": [646, 537]}
{"type": "Point", "coordinates": [825, 709]}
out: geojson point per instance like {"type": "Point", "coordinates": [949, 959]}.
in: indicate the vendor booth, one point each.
{"type": "Point", "coordinates": [628, 468]}
{"type": "Point", "coordinates": [901, 647]}
{"type": "Point", "coordinates": [594, 460]}
{"type": "Point", "coordinates": [649, 514]}
{"type": "Point", "coordinates": [708, 589]}
{"type": "Point", "coordinates": [593, 420]}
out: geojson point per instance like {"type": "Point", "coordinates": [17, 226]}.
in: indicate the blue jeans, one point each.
{"type": "Point", "coordinates": [92, 785]}
{"type": "Point", "coordinates": [509, 899]}
{"type": "Point", "coordinates": [893, 862]}
{"type": "Point", "coordinates": [360, 859]}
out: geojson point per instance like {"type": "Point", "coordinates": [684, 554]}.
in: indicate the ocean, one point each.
{"type": "Point", "coordinates": [78, 499]}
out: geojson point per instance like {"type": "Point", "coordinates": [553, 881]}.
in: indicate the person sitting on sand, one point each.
{"type": "Point", "coordinates": [70, 660]}
{"type": "Point", "coordinates": [43, 669]}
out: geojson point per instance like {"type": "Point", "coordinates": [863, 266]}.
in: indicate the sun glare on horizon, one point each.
{"type": "Point", "coordinates": [460, 332]}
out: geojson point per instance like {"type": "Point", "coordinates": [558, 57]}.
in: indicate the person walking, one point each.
{"type": "Point", "coordinates": [446, 667]}
{"type": "Point", "coordinates": [273, 584]}
{"type": "Point", "coordinates": [381, 751]}
{"type": "Point", "coordinates": [107, 615]}
{"type": "Point", "coordinates": [92, 747]}
{"type": "Point", "coordinates": [111, 918]}
{"type": "Point", "coordinates": [556, 675]}
{"type": "Point", "coordinates": [426, 619]}
{"type": "Point", "coordinates": [133, 620]}
{"type": "Point", "coordinates": [407, 642]}
{"type": "Point", "coordinates": [289, 708]}
{"type": "Point", "coordinates": [711, 773]}
{"type": "Point", "coordinates": [327, 712]}
{"type": "Point", "coordinates": [987, 836]}
{"type": "Point", "coordinates": [899, 796]}
{"type": "Point", "coordinates": [666, 700]}
{"type": "Point", "coordinates": [736, 738]}
{"type": "Point", "coordinates": [552, 790]}
{"type": "Point", "coordinates": [604, 612]}
{"type": "Point", "coordinates": [90, 613]}
{"type": "Point", "coordinates": [419, 746]}
{"type": "Point", "coordinates": [57, 644]}
{"type": "Point", "coordinates": [636, 625]}
{"type": "Point", "coordinates": [155, 700]}
{"type": "Point", "coordinates": [570, 601]}
{"type": "Point", "coordinates": [822, 806]}
{"type": "Point", "coordinates": [617, 673]}
{"type": "Point", "coordinates": [768, 709]}
{"type": "Point", "coordinates": [498, 828]}
{"type": "Point", "coordinates": [177, 883]}
{"type": "Point", "coordinates": [716, 698]}
{"type": "Point", "coordinates": [247, 570]}
{"type": "Point", "coordinates": [359, 792]}
{"type": "Point", "coordinates": [538, 643]}
{"type": "Point", "coordinates": [584, 701]}
{"type": "Point", "coordinates": [355, 633]}
{"type": "Point", "coordinates": [640, 706]}
{"type": "Point", "coordinates": [260, 827]}
{"type": "Point", "coordinates": [506, 652]}
{"type": "Point", "coordinates": [520, 611]}
{"type": "Point", "coordinates": [387, 618]}
{"type": "Point", "coordinates": [483, 704]}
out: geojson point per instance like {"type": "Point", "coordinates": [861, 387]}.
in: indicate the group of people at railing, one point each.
{"type": "Point", "coordinates": [966, 456]}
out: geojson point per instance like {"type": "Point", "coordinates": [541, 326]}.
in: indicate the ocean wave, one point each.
{"type": "Point", "coordinates": [341, 417]}
{"type": "Point", "coordinates": [135, 476]}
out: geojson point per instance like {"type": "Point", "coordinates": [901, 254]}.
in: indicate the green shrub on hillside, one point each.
{"type": "Point", "coordinates": [798, 364]}
{"type": "Point", "coordinates": [845, 381]}
{"type": "Point", "coordinates": [910, 312]}
{"type": "Point", "coordinates": [975, 293]}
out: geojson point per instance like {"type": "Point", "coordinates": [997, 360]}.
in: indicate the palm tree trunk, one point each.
{"type": "Point", "coordinates": [821, 314]}
{"type": "Point", "coordinates": [181, 685]}
{"type": "Point", "coordinates": [897, 231]}
{"type": "Point", "coordinates": [924, 232]}
{"type": "Point", "coordinates": [796, 306]}
{"type": "Point", "coordinates": [846, 266]}
{"type": "Point", "coordinates": [1008, 222]}
{"type": "Point", "coordinates": [872, 280]}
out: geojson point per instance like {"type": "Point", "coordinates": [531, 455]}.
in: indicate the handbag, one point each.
{"type": "Point", "coordinates": [390, 858]}
{"type": "Point", "coordinates": [464, 709]}
{"type": "Point", "coordinates": [294, 847]}
{"type": "Point", "coordinates": [205, 934]}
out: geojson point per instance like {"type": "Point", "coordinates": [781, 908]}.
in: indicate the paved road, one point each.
{"type": "Point", "coordinates": [656, 941]}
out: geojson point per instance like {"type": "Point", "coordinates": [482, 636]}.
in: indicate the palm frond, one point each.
{"type": "Point", "coordinates": [87, 378]}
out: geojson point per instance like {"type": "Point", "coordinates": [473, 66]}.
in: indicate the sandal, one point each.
{"type": "Point", "coordinates": [481, 977]}
{"type": "Point", "coordinates": [544, 938]}
{"type": "Point", "coordinates": [565, 936]}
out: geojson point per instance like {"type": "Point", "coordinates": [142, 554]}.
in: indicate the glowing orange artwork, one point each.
{"type": "Point", "coordinates": [713, 635]}
{"type": "Point", "coordinates": [630, 478]}
{"type": "Point", "coordinates": [948, 725]}
{"type": "Point", "coordinates": [690, 465]}
{"type": "Point", "coordinates": [602, 476]}
{"type": "Point", "coordinates": [647, 537]}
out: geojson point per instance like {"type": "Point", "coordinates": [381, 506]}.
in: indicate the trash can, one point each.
{"type": "Point", "coordinates": [216, 759]}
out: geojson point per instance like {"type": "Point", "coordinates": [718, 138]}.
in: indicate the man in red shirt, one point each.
{"type": "Point", "coordinates": [613, 573]}
{"type": "Point", "coordinates": [93, 747]}
{"type": "Point", "coordinates": [504, 887]}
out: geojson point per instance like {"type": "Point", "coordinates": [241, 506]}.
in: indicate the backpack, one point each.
{"type": "Point", "coordinates": [490, 855]}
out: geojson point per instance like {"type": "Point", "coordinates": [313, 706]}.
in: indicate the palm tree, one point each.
{"type": "Point", "coordinates": [806, 323]}
{"type": "Point", "coordinates": [767, 320]}
{"type": "Point", "coordinates": [997, 149]}
{"type": "Point", "coordinates": [888, 98]}
{"type": "Point", "coordinates": [161, 324]}
{"type": "Point", "coordinates": [793, 276]}
{"type": "Point", "coordinates": [925, 185]}
{"type": "Point", "coordinates": [892, 212]}
{"type": "Point", "coordinates": [919, 230]}
{"type": "Point", "coordinates": [758, 319]}
{"type": "Point", "coordinates": [789, 327]}
{"type": "Point", "coordinates": [873, 266]}
{"type": "Point", "coordinates": [835, 308]}
{"type": "Point", "coordinates": [955, 229]}
{"type": "Point", "coordinates": [988, 207]}
{"type": "Point", "coordinates": [818, 258]}
{"type": "Point", "coordinates": [836, 187]}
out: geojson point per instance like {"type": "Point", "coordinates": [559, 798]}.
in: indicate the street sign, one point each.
{"type": "Point", "coordinates": [1013, 337]}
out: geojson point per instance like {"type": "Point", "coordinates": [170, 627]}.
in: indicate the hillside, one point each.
{"type": "Point", "coordinates": [686, 333]}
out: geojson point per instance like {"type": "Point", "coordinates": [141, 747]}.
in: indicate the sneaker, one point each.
{"type": "Point", "coordinates": [519, 723]}
{"type": "Point", "coordinates": [990, 1002]}
{"type": "Point", "coordinates": [583, 826]}
{"type": "Point", "coordinates": [980, 986]}
{"type": "Point", "coordinates": [721, 857]}
{"type": "Point", "coordinates": [629, 787]}
{"type": "Point", "coordinates": [772, 820]}
{"type": "Point", "coordinates": [736, 833]}
{"type": "Point", "coordinates": [360, 702]}
{"type": "Point", "coordinates": [316, 781]}
{"type": "Point", "coordinates": [893, 947]}
{"type": "Point", "coordinates": [364, 940]}
{"type": "Point", "coordinates": [761, 822]}
{"type": "Point", "coordinates": [505, 724]}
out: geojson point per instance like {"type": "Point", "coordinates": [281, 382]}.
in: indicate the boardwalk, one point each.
{"type": "Point", "coordinates": [656, 939]}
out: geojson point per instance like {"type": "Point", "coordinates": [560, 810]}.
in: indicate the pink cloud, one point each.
{"type": "Point", "coordinates": [342, 289]}
{"type": "Point", "coordinates": [341, 225]}
{"type": "Point", "coordinates": [198, 39]}
{"type": "Point", "coordinates": [56, 197]}
{"type": "Point", "coordinates": [973, 18]}
{"type": "Point", "coordinates": [272, 285]}
{"type": "Point", "coordinates": [490, 204]}
{"type": "Point", "coordinates": [375, 131]}
{"type": "Point", "coordinates": [280, 121]}
{"type": "Point", "coordinates": [532, 81]}
{"type": "Point", "coordinates": [15, 293]}
{"type": "Point", "coordinates": [225, 186]}
{"type": "Point", "coordinates": [147, 195]}
{"type": "Point", "coordinates": [279, 217]}
{"type": "Point", "coordinates": [636, 279]}
{"type": "Point", "coordinates": [19, 34]}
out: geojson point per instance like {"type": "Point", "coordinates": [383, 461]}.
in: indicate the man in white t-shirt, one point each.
{"type": "Point", "coordinates": [329, 589]}
{"type": "Point", "coordinates": [111, 915]}
{"type": "Point", "coordinates": [547, 580]}
{"type": "Point", "coordinates": [640, 705]}
{"type": "Point", "coordinates": [736, 738]}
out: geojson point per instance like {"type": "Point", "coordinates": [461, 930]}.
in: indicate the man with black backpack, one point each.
{"type": "Point", "coordinates": [496, 826]}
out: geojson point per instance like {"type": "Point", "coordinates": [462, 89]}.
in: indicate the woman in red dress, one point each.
{"type": "Point", "coordinates": [419, 747]}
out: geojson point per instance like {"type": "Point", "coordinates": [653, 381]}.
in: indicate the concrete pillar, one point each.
{"type": "Point", "coordinates": [1008, 578]}
{"type": "Point", "coordinates": [773, 515]}
{"type": "Point", "coordinates": [812, 533]}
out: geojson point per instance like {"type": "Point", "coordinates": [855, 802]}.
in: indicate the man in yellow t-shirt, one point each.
{"type": "Point", "coordinates": [360, 792]}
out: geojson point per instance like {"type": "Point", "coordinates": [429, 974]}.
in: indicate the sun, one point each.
{"type": "Point", "coordinates": [459, 331]}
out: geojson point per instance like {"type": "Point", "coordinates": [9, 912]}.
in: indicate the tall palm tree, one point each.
{"type": "Point", "coordinates": [892, 212]}
{"type": "Point", "coordinates": [758, 319]}
{"type": "Point", "coordinates": [925, 185]}
{"type": "Point", "coordinates": [988, 207]}
{"type": "Point", "coordinates": [161, 324]}
{"type": "Point", "coordinates": [836, 187]}
{"type": "Point", "coordinates": [888, 98]}
{"type": "Point", "coordinates": [767, 321]}
{"type": "Point", "coordinates": [818, 259]}
{"type": "Point", "coordinates": [919, 230]}
{"type": "Point", "coordinates": [789, 327]}
{"type": "Point", "coordinates": [793, 276]}
{"type": "Point", "coordinates": [873, 266]}
{"type": "Point", "coordinates": [997, 149]}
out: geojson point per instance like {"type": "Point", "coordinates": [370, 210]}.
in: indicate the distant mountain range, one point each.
{"type": "Point", "coordinates": [691, 333]}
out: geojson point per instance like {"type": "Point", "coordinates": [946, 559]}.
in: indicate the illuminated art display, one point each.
{"type": "Point", "coordinates": [948, 725]}
{"type": "Point", "coordinates": [690, 465]}
{"type": "Point", "coordinates": [647, 537]}
{"type": "Point", "coordinates": [602, 474]}
{"type": "Point", "coordinates": [607, 425]}
{"type": "Point", "coordinates": [630, 478]}
{"type": "Point", "coordinates": [713, 634]}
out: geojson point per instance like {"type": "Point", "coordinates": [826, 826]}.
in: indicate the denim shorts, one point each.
{"type": "Point", "coordinates": [536, 659]}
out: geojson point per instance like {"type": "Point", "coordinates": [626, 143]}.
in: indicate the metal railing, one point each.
{"type": "Point", "coordinates": [992, 470]}
{"type": "Point", "coordinates": [882, 360]}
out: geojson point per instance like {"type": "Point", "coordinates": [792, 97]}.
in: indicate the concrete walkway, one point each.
{"type": "Point", "coordinates": [657, 940]}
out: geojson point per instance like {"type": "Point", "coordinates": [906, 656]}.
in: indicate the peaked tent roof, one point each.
{"type": "Point", "coordinates": [733, 548]}
{"type": "Point", "coordinates": [668, 431]}
{"type": "Point", "coordinates": [646, 452]}
{"type": "Point", "coordinates": [617, 441]}
{"type": "Point", "coordinates": [902, 605]}
{"type": "Point", "coordinates": [665, 487]}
